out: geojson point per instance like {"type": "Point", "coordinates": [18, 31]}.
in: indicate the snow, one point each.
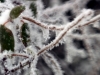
{"type": "Point", "coordinates": [4, 16]}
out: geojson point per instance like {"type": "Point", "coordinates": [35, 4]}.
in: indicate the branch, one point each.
{"type": "Point", "coordinates": [81, 37]}
{"type": "Point", "coordinates": [90, 51]}
{"type": "Point", "coordinates": [53, 63]}
{"type": "Point", "coordinates": [75, 6]}
{"type": "Point", "coordinates": [61, 8]}
{"type": "Point", "coordinates": [51, 27]}
{"type": "Point", "coordinates": [5, 56]}
{"type": "Point", "coordinates": [65, 30]}
{"type": "Point", "coordinates": [21, 55]}
{"type": "Point", "coordinates": [56, 41]}
{"type": "Point", "coordinates": [96, 18]}
{"type": "Point", "coordinates": [21, 65]}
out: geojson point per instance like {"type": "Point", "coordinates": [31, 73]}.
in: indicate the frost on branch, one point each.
{"type": "Point", "coordinates": [28, 31]}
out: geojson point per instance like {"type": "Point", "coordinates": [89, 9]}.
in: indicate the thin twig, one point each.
{"type": "Point", "coordinates": [19, 66]}
{"type": "Point", "coordinates": [21, 55]}
{"type": "Point", "coordinates": [53, 27]}
{"type": "Point", "coordinates": [81, 37]}
{"type": "Point", "coordinates": [50, 59]}
{"type": "Point", "coordinates": [94, 19]}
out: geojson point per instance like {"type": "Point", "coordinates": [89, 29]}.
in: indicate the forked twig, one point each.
{"type": "Point", "coordinates": [56, 41]}
{"type": "Point", "coordinates": [53, 27]}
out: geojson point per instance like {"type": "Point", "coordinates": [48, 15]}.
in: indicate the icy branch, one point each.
{"type": "Point", "coordinates": [54, 27]}
{"type": "Point", "coordinates": [51, 27]}
{"type": "Point", "coordinates": [63, 32]}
